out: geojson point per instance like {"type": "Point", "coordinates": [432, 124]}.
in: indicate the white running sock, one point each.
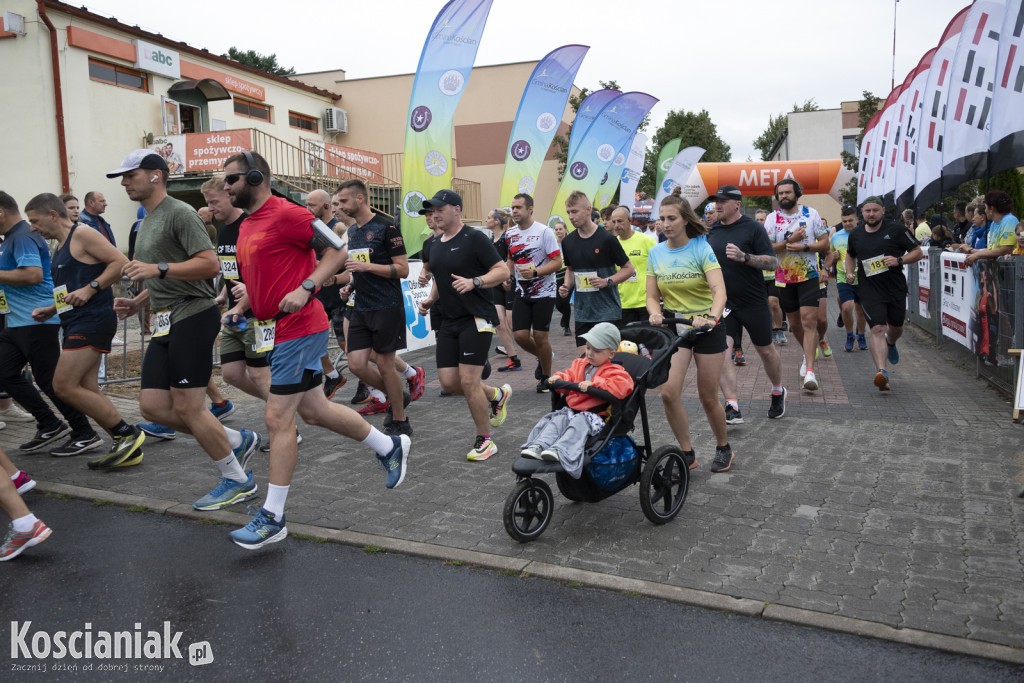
{"type": "Point", "coordinates": [380, 442]}
{"type": "Point", "coordinates": [230, 469]}
{"type": "Point", "coordinates": [24, 524]}
{"type": "Point", "coordinates": [410, 372]}
{"type": "Point", "coordinates": [15, 475]}
{"type": "Point", "coordinates": [234, 437]}
{"type": "Point", "coordinates": [333, 374]}
{"type": "Point", "coordinates": [378, 394]}
{"type": "Point", "coordinates": [276, 495]}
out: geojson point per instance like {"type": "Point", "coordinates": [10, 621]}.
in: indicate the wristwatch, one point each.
{"type": "Point", "coordinates": [807, 247]}
{"type": "Point", "coordinates": [309, 285]}
{"type": "Point", "coordinates": [746, 256]}
{"type": "Point", "coordinates": [162, 267]}
{"type": "Point", "coordinates": [899, 260]}
{"type": "Point", "coordinates": [95, 284]}
{"type": "Point", "coordinates": [608, 281]}
{"type": "Point", "coordinates": [478, 283]}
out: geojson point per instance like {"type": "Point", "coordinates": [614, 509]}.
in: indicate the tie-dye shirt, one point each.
{"type": "Point", "coordinates": [796, 266]}
{"type": "Point", "coordinates": [681, 274]}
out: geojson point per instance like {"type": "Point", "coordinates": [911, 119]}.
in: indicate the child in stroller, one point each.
{"type": "Point", "coordinates": [561, 436]}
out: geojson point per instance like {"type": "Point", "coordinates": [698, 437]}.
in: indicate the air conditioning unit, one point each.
{"type": "Point", "coordinates": [335, 120]}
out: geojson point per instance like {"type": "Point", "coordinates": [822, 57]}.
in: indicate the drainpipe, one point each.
{"type": "Point", "coordinates": [58, 99]}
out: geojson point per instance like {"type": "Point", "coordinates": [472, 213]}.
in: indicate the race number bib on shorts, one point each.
{"type": "Point", "coordinates": [60, 295]}
{"type": "Point", "coordinates": [585, 281]}
{"type": "Point", "coordinates": [483, 326]}
{"type": "Point", "coordinates": [360, 254]}
{"type": "Point", "coordinates": [874, 266]}
{"type": "Point", "coordinates": [265, 331]}
{"type": "Point", "coordinates": [4, 307]}
{"type": "Point", "coordinates": [163, 323]}
{"type": "Point", "coordinates": [228, 267]}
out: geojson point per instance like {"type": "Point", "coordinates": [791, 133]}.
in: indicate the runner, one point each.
{"type": "Point", "coordinates": [465, 264]}
{"type": "Point", "coordinates": [26, 529]}
{"type": "Point", "coordinates": [875, 254]}
{"type": "Point", "coordinates": [562, 305]}
{"type": "Point", "coordinates": [497, 222]}
{"type": "Point", "coordinates": [276, 256]}
{"type": "Point", "coordinates": [633, 291]}
{"type": "Point", "coordinates": [84, 267]}
{"type": "Point", "coordinates": [685, 272]}
{"type": "Point", "coordinates": [846, 290]}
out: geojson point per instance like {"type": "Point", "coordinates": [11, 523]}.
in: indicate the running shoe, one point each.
{"type": "Point", "coordinates": [803, 367]}
{"type": "Point", "coordinates": [531, 451]}
{"type": "Point", "coordinates": [228, 491]}
{"type": "Point", "coordinates": [542, 386]}
{"type": "Point", "coordinates": [17, 542]}
{"type": "Point", "coordinates": [45, 437]}
{"type": "Point", "coordinates": [549, 454]}
{"type": "Point", "coordinates": [778, 406]}
{"type": "Point", "coordinates": [894, 355]}
{"type": "Point", "coordinates": [23, 482]}
{"type": "Point", "coordinates": [77, 445]}
{"type": "Point", "coordinates": [862, 343]}
{"type": "Point", "coordinates": [221, 412]}
{"type": "Point", "coordinates": [157, 430]}
{"type": "Point", "coordinates": [499, 406]}
{"type": "Point", "coordinates": [690, 458]}
{"type": "Point", "coordinates": [15, 414]}
{"type": "Point", "coordinates": [131, 461]}
{"type": "Point", "coordinates": [265, 441]}
{"type": "Point", "coordinates": [500, 350]}
{"type": "Point", "coordinates": [332, 384]}
{"type": "Point", "coordinates": [122, 449]}
{"type": "Point", "coordinates": [849, 342]}
{"type": "Point", "coordinates": [417, 383]}
{"type": "Point", "coordinates": [483, 448]}
{"type": "Point", "coordinates": [779, 337]}
{"type": "Point", "coordinates": [250, 444]}
{"type": "Point", "coordinates": [566, 332]}
{"type": "Point", "coordinates": [511, 366]}
{"type": "Point", "coordinates": [362, 395]}
{"type": "Point", "coordinates": [396, 462]}
{"type": "Point", "coordinates": [398, 427]}
{"type": "Point", "coordinates": [738, 358]}
{"type": "Point", "coordinates": [882, 380]}
{"type": "Point", "coordinates": [810, 381]}
{"type": "Point", "coordinates": [538, 373]}
{"type": "Point", "coordinates": [839, 319]}
{"type": "Point", "coordinates": [732, 415]}
{"type": "Point", "coordinates": [825, 348]}
{"type": "Point", "coordinates": [263, 529]}
{"type": "Point", "coordinates": [723, 459]}
{"type": "Point", "coordinates": [374, 407]}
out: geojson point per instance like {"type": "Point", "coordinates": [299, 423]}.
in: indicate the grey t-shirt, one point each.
{"type": "Point", "coordinates": [173, 232]}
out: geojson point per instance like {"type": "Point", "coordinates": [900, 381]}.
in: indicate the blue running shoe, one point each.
{"type": "Point", "coordinates": [157, 430]}
{"type": "Point", "coordinates": [894, 355]}
{"type": "Point", "coordinates": [862, 343]}
{"type": "Point", "coordinates": [395, 462]}
{"type": "Point", "coordinates": [263, 529]}
{"type": "Point", "coordinates": [221, 412]}
{"type": "Point", "coordinates": [250, 444]}
{"type": "Point", "coordinates": [228, 491]}
{"type": "Point", "coordinates": [849, 341]}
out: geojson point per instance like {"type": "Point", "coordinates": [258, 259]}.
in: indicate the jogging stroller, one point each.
{"type": "Point", "coordinates": [613, 460]}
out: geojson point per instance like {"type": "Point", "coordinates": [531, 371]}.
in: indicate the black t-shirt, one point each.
{"type": "Point", "coordinates": [744, 286]}
{"type": "Point", "coordinates": [470, 253]}
{"type": "Point", "coordinates": [227, 242]}
{"type": "Point", "coordinates": [329, 295]}
{"type": "Point", "coordinates": [384, 240]}
{"type": "Point", "coordinates": [600, 253]}
{"type": "Point", "coordinates": [891, 239]}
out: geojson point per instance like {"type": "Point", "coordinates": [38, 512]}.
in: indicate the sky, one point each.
{"type": "Point", "coordinates": [741, 60]}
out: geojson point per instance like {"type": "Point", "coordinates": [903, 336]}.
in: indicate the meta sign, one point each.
{"type": "Point", "coordinates": [157, 59]}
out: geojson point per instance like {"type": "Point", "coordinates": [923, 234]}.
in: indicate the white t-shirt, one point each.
{"type": "Point", "coordinates": [533, 246]}
{"type": "Point", "coordinates": [795, 266]}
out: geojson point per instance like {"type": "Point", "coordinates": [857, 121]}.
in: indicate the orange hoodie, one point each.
{"type": "Point", "coordinates": [610, 377]}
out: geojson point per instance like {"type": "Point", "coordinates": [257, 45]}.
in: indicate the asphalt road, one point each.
{"type": "Point", "coordinates": [302, 610]}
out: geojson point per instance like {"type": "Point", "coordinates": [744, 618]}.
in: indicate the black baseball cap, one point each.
{"type": "Point", "coordinates": [145, 159]}
{"type": "Point", "coordinates": [727, 192]}
{"type": "Point", "coordinates": [441, 198]}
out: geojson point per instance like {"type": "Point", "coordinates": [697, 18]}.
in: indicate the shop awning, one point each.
{"type": "Point", "coordinates": [207, 87]}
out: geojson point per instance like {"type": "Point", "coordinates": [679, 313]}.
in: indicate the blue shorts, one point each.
{"type": "Point", "coordinates": [847, 293]}
{"type": "Point", "coordinates": [295, 364]}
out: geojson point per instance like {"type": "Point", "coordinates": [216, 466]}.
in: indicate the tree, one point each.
{"type": "Point", "coordinates": [776, 124]}
{"type": "Point", "coordinates": [867, 108]}
{"type": "Point", "coordinates": [267, 63]}
{"type": "Point", "coordinates": [1011, 182]}
{"type": "Point", "coordinates": [694, 129]}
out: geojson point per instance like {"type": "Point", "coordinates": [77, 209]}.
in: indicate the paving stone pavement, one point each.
{"type": "Point", "coordinates": [897, 508]}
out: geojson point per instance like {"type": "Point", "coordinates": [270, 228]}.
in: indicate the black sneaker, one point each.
{"type": "Point", "coordinates": [690, 458]}
{"type": "Point", "coordinates": [732, 416]}
{"type": "Point", "coordinates": [538, 373]}
{"type": "Point", "coordinates": [331, 385]}
{"type": "Point", "coordinates": [389, 417]}
{"type": "Point", "coordinates": [76, 445]}
{"type": "Point", "coordinates": [778, 407]}
{"type": "Point", "coordinates": [723, 459]}
{"type": "Point", "coordinates": [362, 395]}
{"type": "Point", "coordinates": [542, 385]}
{"type": "Point", "coordinates": [44, 437]}
{"type": "Point", "coordinates": [566, 332]}
{"type": "Point", "coordinates": [397, 428]}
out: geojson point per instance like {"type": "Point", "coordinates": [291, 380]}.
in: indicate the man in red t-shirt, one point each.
{"type": "Point", "coordinates": [277, 260]}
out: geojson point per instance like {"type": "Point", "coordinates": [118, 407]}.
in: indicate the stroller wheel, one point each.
{"type": "Point", "coordinates": [663, 484]}
{"type": "Point", "coordinates": [528, 509]}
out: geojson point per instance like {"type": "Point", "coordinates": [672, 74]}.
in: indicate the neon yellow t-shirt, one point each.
{"type": "Point", "coordinates": [633, 292]}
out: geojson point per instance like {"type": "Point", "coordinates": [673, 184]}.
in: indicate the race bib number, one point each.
{"type": "Point", "coordinates": [4, 307]}
{"type": "Point", "coordinates": [632, 278]}
{"type": "Point", "coordinates": [265, 331]}
{"type": "Point", "coordinates": [163, 323]}
{"type": "Point", "coordinates": [483, 326]}
{"type": "Point", "coordinates": [585, 281]}
{"type": "Point", "coordinates": [874, 266]}
{"type": "Point", "coordinates": [228, 267]}
{"type": "Point", "coordinates": [60, 295]}
{"type": "Point", "coordinates": [360, 254]}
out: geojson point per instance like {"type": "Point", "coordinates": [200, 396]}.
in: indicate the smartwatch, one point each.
{"type": "Point", "coordinates": [608, 281]}
{"type": "Point", "coordinates": [899, 260]}
{"type": "Point", "coordinates": [807, 247]}
{"type": "Point", "coordinates": [95, 284]}
{"type": "Point", "coordinates": [162, 267]}
{"type": "Point", "coordinates": [478, 283]}
{"type": "Point", "coordinates": [309, 285]}
{"type": "Point", "coordinates": [746, 257]}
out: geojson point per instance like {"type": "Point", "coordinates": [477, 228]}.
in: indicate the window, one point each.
{"type": "Point", "coordinates": [118, 75]}
{"type": "Point", "coordinates": [304, 122]}
{"type": "Point", "coordinates": [850, 145]}
{"type": "Point", "coordinates": [252, 110]}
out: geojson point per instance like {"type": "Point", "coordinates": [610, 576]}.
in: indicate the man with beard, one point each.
{"type": "Point", "coordinates": [633, 290]}
{"type": "Point", "coordinates": [276, 256]}
{"type": "Point", "coordinates": [799, 235]}
{"type": "Point", "coordinates": [319, 204]}
{"type": "Point", "coordinates": [743, 250]}
{"type": "Point", "coordinates": [875, 254]}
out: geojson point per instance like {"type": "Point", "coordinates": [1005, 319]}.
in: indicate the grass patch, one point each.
{"type": "Point", "coordinates": [306, 537]}
{"type": "Point", "coordinates": [58, 496]}
{"type": "Point", "coordinates": [101, 503]}
{"type": "Point", "coordinates": [508, 572]}
{"type": "Point", "coordinates": [452, 563]}
{"type": "Point", "coordinates": [372, 549]}
{"type": "Point", "coordinates": [632, 594]}
{"type": "Point", "coordinates": [138, 508]}
{"type": "Point", "coordinates": [211, 522]}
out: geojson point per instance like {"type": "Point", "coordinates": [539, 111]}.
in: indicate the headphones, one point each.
{"type": "Point", "coordinates": [253, 176]}
{"type": "Point", "coordinates": [790, 181]}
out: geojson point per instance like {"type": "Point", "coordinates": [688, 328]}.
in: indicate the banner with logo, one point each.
{"type": "Point", "coordinates": [613, 176]}
{"type": "Point", "coordinates": [588, 110]}
{"type": "Point", "coordinates": [540, 111]}
{"type": "Point", "coordinates": [899, 120]}
{"type": "Point", "coordinates": [342, 161]}
{"type": "Point", "coordinates": [418, 333]}
{"type": "Point", "coordinates": [614, 127]}
{"type": "Point", "coordinates": [1007, 125]}
{"type": "Point", "coordinates": [886, 181]}
{"type": "Point", "coordinates": [864, 164]}
{"type": "Point", "coordinates": [441, 77]}
{"type": "Point", "coordinates": [906, 154]}
{"type": "Point", "coordinates": [924, 285]}
{"type": "Point", "coordinates": [957, 299]}
{"type": "Point", "coordinates": [758, 178]}
{"type": "Point", "coordinates": [992, 312]}
{"type": "Point", "coordinates": [634, 168]}
{"type": "Point", "coordinates": [678, 173]}
{"type": "Point", "coordinates": [885, 130]}
{"type": "Point", "coordinates": [969, 109]}
{"type": "Point", "coordinates": [196, 152]}
{"type": "Point", "coordinates": [665, 157]}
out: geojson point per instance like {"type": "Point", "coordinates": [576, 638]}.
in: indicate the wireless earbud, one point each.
{"type": "Point", "coordinates": [153, 179]}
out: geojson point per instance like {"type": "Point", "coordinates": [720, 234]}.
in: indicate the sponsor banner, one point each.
{"type": "Point", "coordinates": [680, 169]}
{"type": "Point", "coordinates": [885, 131]}
{"type": "Point", "coordinates": [342, 161]}
{"type": "Point", "coordinates": [957, 299]}
{"type": "Point", "coordinates": [1007, 125]}
{"type": "Point", "coordinates": [906, 153]}
{"type": "Point", "coordinates": [992, 312]}
{"type": "Point", "coordinates": [615, 174]}
{"type": "Point", "coordinates": [441, 76]}
{"type": "Point", "coordinates": [758, 178]}
{"type": "Point", "coordinates": [540, 112]}
{"type": "Point", "coordinates": [588, 110]}
{"type": "Point", "coordinates": [633, 170]}
{"type": "Point", "coordinates": [864, 164]}
{"type": "Point", "coordinates": [200, 152]}
{"type": "Point", "coordinates": [665, 157]}
{"type": "Point", "coordinates": [924, 285]}
{"type": "Point", "coordinates": [418, 333]}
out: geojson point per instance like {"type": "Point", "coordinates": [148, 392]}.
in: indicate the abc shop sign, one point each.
{"type": "Point", "coordinates": [157, 59]}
